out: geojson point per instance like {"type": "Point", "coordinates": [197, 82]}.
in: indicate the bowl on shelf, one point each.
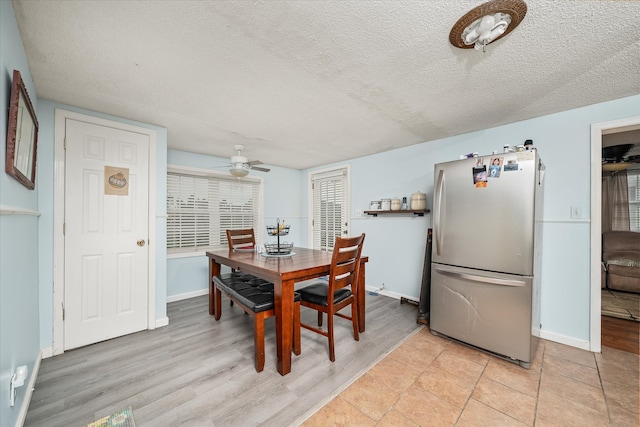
{"type": "Point", "coordinates": [283, 248]}
{"type": "Point", "coordinates": [274, 230]}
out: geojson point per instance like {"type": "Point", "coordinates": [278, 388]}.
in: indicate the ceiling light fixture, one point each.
{"type": "Point", "coordinates": [615, 167]}
{"type": "Point", "coordinates": [239, 171]}
{"type": "Point", "coordinates": [487, 23]}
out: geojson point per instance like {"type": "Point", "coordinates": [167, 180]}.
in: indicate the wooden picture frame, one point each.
{"type": "Point", "coordinates": [22, 135]}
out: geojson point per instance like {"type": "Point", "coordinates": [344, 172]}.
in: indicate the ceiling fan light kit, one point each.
{"type": "Point", "coordinates": [615, 167]}
{"type": "Point", "coordinates": [240, 165]}
{"type": "Point", "coordinates": [487, 23]}
{"type": "Point", "coordinates": [238, 171]}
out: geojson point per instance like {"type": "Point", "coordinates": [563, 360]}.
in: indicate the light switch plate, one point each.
{"type": "Point", "coordinates": [576, 212]}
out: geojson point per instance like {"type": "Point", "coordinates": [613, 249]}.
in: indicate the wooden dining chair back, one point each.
{"type": "Point", "coordinates": [241, 239]}
{"type": "Point", "coordinates": [339, 292]}
{"type": "Point", "coordinates": [238, 239]}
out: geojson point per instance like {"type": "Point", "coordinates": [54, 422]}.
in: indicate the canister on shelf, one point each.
{"type": "Point", "coordinates": [385, 204]}
{"type": "Point", "coordinates": [418, 201]}
{"type": "Point", "coordinates": [396, 204]}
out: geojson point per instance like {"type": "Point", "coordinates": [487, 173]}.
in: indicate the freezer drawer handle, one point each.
{"type": "Point", "coordinates": [475, 278]}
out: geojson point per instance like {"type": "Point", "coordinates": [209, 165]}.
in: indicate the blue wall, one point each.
{"type": "Point", "coordinates": [19, 307]}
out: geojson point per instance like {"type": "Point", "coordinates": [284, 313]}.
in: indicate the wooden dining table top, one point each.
{"type": "Point", "coordinates": [303, 264]}
{"type": "Point", "coordinates": [283, 272]}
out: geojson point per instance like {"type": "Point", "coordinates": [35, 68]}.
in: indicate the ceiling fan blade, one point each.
{"type": "Point", "coordinates": [220, 165]}
{"type": "Point", "coordinates": [255, 162]}
{"type": "Point", "coordinates": [257, 168]}
{"type": "Point", "coordinates": [615, 153]}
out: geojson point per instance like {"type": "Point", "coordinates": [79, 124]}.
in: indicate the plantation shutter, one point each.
{"type": "Point", "coordinates": [329, 208]}
{"type": "Point", "coordinates": [201, 208]}
{"type": "Point", "coordinates": [633, 180]}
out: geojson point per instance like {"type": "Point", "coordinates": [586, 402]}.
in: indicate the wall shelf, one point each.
{"type": "Point", "coordinates": [416, 212]}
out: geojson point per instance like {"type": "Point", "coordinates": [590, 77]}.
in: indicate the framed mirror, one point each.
{"type": "Point", "coordinates": [22, 135]}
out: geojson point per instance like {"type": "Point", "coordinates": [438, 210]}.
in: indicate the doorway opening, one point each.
{"type": "Point", "coordinates": [598, 130]}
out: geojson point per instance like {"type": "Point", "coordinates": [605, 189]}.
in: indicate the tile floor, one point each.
{"type": "Point", "coordinates": [431, 381]}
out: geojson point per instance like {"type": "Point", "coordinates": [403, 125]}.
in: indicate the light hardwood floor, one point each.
{"type": "Point", "coordinates": [199, 372]}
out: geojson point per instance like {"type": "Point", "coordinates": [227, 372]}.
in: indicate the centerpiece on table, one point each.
{"type": "Point", "coordinates": [279, 247]}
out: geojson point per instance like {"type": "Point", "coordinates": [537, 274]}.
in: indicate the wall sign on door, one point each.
{"type": "Point", "coordinates": [116, 181]}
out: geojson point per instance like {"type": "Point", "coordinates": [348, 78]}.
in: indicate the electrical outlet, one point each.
{"type": "Point", "coordinates": [358, 212]}
{"type": "Point", "coordinates": [576, 212]}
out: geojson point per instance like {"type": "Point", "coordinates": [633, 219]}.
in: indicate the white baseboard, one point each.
{"type": "Point", "coordinates": [188, 295]}
{"type": "Point", "coordinates": [563, 339]}
{"type": "Point", "coordinates": [30, 387]}
{"type": "Point", "coordinates": [162, 322]}
{"type": "Point", "coordinates": [47, 352]}
{"type": "Point", "coordinates": [390, 294]}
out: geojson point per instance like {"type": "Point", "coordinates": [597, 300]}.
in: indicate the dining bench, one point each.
{"type": "Point", "coordinates": [255, 296]}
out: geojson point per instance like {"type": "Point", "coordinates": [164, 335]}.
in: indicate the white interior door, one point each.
{"type": "Point", "coordinates": [106, 235]}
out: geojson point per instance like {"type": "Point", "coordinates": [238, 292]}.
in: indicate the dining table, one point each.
{"type": "Point", "coordinates": [284, 271]}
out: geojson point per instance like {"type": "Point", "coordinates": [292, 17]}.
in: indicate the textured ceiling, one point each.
{"type": "Point", "coordinates": [306, 83]}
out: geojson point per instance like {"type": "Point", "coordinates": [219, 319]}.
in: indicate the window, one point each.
{"type": "Point", "coordinates": [633, 180]}
{"type": "Point", "coordinates": [330, 207]}
{"type": "Point", "coordinates": [202, 205]}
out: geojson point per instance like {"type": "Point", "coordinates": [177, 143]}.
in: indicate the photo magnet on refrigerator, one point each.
{"type": "Point", "coordinates": [511, 165]}
{"type": "Point", "coordinates": [480, 176]}
{"type": "Point", "coordinates": [495, 166]}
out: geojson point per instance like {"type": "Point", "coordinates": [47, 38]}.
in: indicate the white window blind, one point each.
{"type": "Point", "coordinates": [329, 208]}
{"type": "Point", "coordinates": [200, 208]}
{"type": "Point", "coordinates": [633, 180]}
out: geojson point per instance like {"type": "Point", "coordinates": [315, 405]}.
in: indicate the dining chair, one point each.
{"type": "Point", "coordinates": [241, 239]}
{"type": "Point", "coordinates": [255, 297]}
{"type": "Point", "coordinates": [339, 292]}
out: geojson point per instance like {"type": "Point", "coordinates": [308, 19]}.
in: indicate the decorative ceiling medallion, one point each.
{"type": "Point", "coordinates": [487, 23]}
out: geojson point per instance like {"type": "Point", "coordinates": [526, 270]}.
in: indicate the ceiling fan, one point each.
{"type": "Point", "coordinates": [240, 166]}
{"type": "Point", "coordinates": [614, 158]}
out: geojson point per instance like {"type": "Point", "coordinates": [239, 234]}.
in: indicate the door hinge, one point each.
{"type": "Point", "coordinates": [63, 312]}
{"type": "Point", "coordinates": [64, 228]}
{"type": "Point", "coordinates": [64, 145]}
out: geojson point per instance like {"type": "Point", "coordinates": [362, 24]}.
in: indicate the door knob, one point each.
{"type": "Point", "coordinates": [140, 242]}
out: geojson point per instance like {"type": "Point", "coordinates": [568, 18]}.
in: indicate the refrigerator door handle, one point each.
{"type": "Point", "coordinates": [437, 207]}
{"type": "Point", "coordinates": [483, 279]}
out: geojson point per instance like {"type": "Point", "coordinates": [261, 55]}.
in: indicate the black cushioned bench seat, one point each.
{"type": "Point", "coordinates": [255, 296]}
{"type": "Point", "coordinates": [252, 292]}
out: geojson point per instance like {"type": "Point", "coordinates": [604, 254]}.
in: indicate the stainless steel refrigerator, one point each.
{"type": "Point", "coordinates": [485, 283]}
